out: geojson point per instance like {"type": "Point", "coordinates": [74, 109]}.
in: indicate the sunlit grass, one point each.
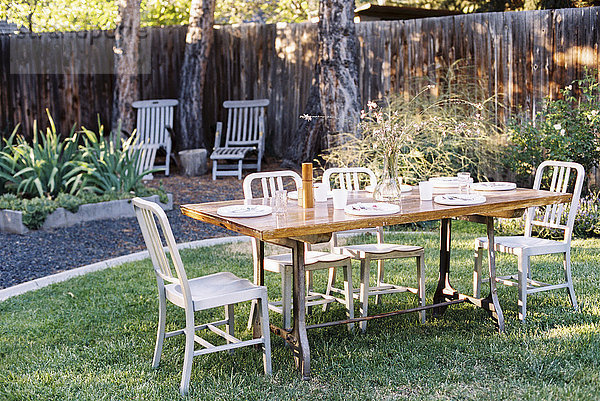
{"type": "Point", "coordinates": [92, 338]}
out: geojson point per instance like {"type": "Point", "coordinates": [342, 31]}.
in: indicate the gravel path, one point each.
{"type": "Point", "coordinates": [41, 253]}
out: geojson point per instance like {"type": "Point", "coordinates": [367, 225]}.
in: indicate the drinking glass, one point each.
{"type": "Point", "coordinates": [463, 181]}
{"type": "Point", "coordinates": [279, 201]}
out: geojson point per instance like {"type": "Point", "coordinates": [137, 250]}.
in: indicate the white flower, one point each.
{"type": "Point", "coordinates": [557, 127]}
{"type": "Point", "coordinates": [371, 105]}
{"type": "Point", "coordinates": [306, 117]}
{"type": "Point", "coordinates": [562, 132]}
{"type": "Point", "coordinates": [569, 88]}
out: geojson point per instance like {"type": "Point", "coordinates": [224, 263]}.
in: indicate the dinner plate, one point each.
{"type": "Point", "coordinates": [371, 209]}
{"type": "Point", "coordinates": [244, 211]}
{"type": "Point", "coordinates": [493, 186]}
{"type": "Point", "coordinates": [459, 199]}
{"type": "Point", "coordinates": [444, 182]}
{"type": "Point", "coordinates": [294, 195]}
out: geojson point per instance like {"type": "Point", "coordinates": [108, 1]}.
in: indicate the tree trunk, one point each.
{"type": "Point", "coordinates": [334, 102]}
{"type": "Point", "coordinates": [197, 49]}
{"type": "Point", "coordinates": [126, 89]}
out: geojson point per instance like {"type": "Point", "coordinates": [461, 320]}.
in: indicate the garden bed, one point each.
{"type": "Point", "coordinates": [11, 221]}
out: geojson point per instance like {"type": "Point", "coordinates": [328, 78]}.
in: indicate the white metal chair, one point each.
{"type": "Point", "coordinates": [201, 293]}
{"type": "Point", "coordinates": [269, 182]}
{"type": "Point", "coordinates": [155, 125]}
{"type": "Point", "coordinates": [354, 179]}
{"type": "Point", "coordinates": [245, 134]}
{"type": "Point", "coordinates": [551, 216]}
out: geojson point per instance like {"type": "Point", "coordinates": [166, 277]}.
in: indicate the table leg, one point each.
{"type": "Point", "coordinates": [300, 345]}
{"type": "Point", "coordinates": [444, 290]}
{"type": "Point", "coordinates": [493, 305]}
{"type": "Point", "coordinates": [258, 250]}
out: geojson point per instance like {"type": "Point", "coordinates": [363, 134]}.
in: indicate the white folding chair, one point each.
{"type": "Point", "coordinates": [268, 183]}
{"type": "Point", "coordinates": [554, 176]}
{"type": "Point", "coordinates": [154, 127]}
{"type": "Point", "coordinates": [245, 133]}
{"type": "Point", "coordinates": [201, 293]}
{"type": "Point", "coordinates": [354, 179]}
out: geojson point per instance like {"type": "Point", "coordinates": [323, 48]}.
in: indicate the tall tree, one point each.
{"type": "Point", "coordinates": [334, 102]}
{"type": "Point", "coordinates": [126, 89]}
{"type": "Point", "coordinates": [197, 49]}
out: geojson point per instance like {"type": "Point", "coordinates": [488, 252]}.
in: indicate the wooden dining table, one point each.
{"type": "Point", "coordinates": [297, 226]}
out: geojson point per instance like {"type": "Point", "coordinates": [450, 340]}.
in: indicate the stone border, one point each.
{"type": "Point", "coordinates": [11, 221]}
{"type": "Point", "coordinates": [105, 264]}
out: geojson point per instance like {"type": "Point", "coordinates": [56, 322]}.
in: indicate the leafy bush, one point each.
{"type": "Point", "coordinates": [587, 222]}
{"type": "Point", "coordinates": [111, 168]}
{"type": "Point", "coordinates": [441, 130]}
{"type": "Point", "coordinates": [565, 129]}
{"type": "Point", "coordinates": [46, 167]}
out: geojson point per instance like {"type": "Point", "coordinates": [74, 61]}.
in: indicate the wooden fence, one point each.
{"type": "Point", "coordinates": [521, 56]}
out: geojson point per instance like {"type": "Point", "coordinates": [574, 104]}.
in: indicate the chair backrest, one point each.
{"type": "Point", "coordinates": [350, 178]}
{"type": "Point", "coordinates": [148, 214]}
{"type": "Point", "coordinates": [154, 119]}
{"type": "Point", "coordinates": [245, 122]}
{"type": "Point", "coordinates": [270, 182]}
{"type": "Point", "coordinates": [147, 154]}
{"type": "Point", "coordinates": [556, 176]}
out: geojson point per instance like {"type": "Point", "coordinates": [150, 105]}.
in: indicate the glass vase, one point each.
{"type": "Point", "coordinates": [388, 189]}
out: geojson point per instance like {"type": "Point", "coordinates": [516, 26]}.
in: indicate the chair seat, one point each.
{"type": "Point", "coordinates": [311, 258]}
{"type": "Point", "coordinates": [214, 290]}
{"type": "Point", "coordinates": [526, 245]}
{"type": "Point", "coordinates": [379, 251]}
{"type": "Point", "coordinates": [233, 153]}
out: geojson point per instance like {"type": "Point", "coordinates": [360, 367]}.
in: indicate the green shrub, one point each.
{"type": "Point", "coordinates": [443, 129]}
{"type": "Point", "coordinates": [46, 167]}
{"type": "Point", "coordinates": [566, 129]}
{"type": "Point", "coordinates": [111, 168]}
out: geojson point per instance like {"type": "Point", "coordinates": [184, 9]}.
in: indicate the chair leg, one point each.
{"type": "Point", "coordinates": [167, 159]}
{"type": "Point", "coordinates": [477, 273]}
{"type": "Point", "coordinates": [568, 278]}
{"type": "Point", "coordinates": [421, 284]}
{"type": "Point", "coordinates": [364, 291]}
{"type": "Point", "coordinates": [330, 283]}
{"type": "Point", "coordinates": [239, 170]}
{"type": "Point", "coordinates": [263, 310]}
{"type": "Point", "coordinates": [229, 327]}
{"type": "Point", "coordinates": [214, 172]}
{"type": "Point", "coordinates": [380, 274]}
{"type": "Point", "coordinates": [523, 268]}
{"type": "Point", "coordinates": [349, 294]}
{"type": "Point", "coordinates": [309, 288]}
{"type": "Point", "coordinates": [286, 297]}
{"type": "Point", "coordinates": [188, 356]}
{"type": "Point", "coordinates": [160, 335]}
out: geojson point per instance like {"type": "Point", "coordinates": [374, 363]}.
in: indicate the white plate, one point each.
{"type": "Point", "coordinates": [371, 209]}
{"type": "Point", "coordinates": [459, 199]}
{"type": "Point", "coordinates": [444, 182]}
{"type": "Point", "coordinates": [493, 186]}
{"type": "Point", "coordinates": [244, 211]}
{"type": "Point", "coordinates": [294, 195]}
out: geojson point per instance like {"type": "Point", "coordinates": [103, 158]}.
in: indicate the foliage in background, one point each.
{"type": "Point", "coordinates": [51, 172]}
{"type": "Point", "coordinates": [78, 15]}
{"type": "Point", "coordinates": [587, 222]}
{"type": "Point", "coordinates": [46, 167]}
{"type": "Point", "coordinates": [111, 169]}
{"type": "Point", "coordinates": [566, 129]}
{"type": "Point", "coordinates": [440, 130]}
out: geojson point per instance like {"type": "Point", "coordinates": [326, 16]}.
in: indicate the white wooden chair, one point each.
{"type": "Point", "coordinates": [269, 182]}
{"type": "Point", "coordinates": [201, 293]}
{"type": "Point", "coordinates": [558, 216]}
{"type": "Point", "coordinates": [354, 179]}
{"type": "Point", "coordinates": [147, 154]}
{"type": "Point", "coordinates": [245, 134]}
{"type": "Point", "coordinates": [155, 125]}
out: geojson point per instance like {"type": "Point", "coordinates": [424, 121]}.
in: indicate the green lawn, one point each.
{"type": "Point", "coordinates": [92, 338]}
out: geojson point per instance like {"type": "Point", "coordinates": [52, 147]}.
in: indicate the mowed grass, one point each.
{"type": "Point", "coordinates": [92, 338]}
